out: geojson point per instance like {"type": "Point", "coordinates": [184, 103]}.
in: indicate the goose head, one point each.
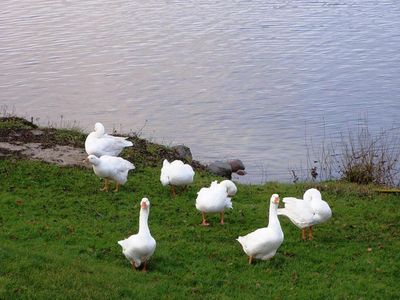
{"type": "Point", "coordinates": [274, 199]}
{"type": "Point", "coordinates": [145, 204]}
{"type": "Point", "coordinates": [231, 188]}
{"type": "Point", "coordinates": [312, 194]}
{"type": "Point", "coordinates": [93, 159]}
{"type": "Point", "coordinates": [99, 129]}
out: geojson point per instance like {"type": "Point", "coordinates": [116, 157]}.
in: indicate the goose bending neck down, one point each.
{"type": "Point", "coordinates": [111, 168]}
{"type": "Point", "coordinates": [175, 174]}
{"type": "Point", "coordinates": [215, 199]}
{"type": "Point", "coordinates": [306, 212]}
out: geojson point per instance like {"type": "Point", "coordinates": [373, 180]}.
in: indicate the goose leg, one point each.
{"type": "Point", "coordinates": [144, 266]}
{"type": "Point", "coordinates": [222, 218]}
{"type": "Point", "coordinates": [117, 185]}
{"type": "Point", "coordinates": [173, 191]}
{"type": "Point", "coordinates": [303, 234]}
{"type": "Point", "coordinates": [204, 222]}
{"type": "Point", "coordinates": [250, 259]}
{"type": "Point", "coordinates": [105, 188]}
{"type": "Point", "coordinates": [310, 235]}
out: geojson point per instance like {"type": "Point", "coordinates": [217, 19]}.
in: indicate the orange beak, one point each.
{"type": "Point", "coordinates": [143, 205]}
{"type": "Point", "coordinates": [276, 201]}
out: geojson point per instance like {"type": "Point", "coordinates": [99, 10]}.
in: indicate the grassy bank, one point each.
{"type": "Point", "coordinates": [19, 131]}
{"type": "Point", "coordinates": [59, 236]}
{"type": "Point", "coordinates": [59, 233]}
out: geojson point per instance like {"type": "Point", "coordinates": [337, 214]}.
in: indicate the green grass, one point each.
{"type": "Point", "coordinates": [15, 123]}
{"type": "Point", "coordinates": [70, 136]}
{"type": "Point", "coordinates": [59, 233]}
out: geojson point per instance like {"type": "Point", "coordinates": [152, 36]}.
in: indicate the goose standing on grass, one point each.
{"type": "Point", "coordinates": [264, 242]}
{"type": "Point", "coordinates": [176, 174]}
{"type": "Point", "coordinates": [99, 143]}
{"type": "Point", "coordinates": [139, 247]}
{"type": "Point", "coordinates": [306, 212]}
{"type": "Point", "coordinates": [215, 199]}
{"type": "Point", "coordinates": [111, 168]}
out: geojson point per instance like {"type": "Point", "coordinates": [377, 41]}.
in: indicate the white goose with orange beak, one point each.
{"type": "Point", "coordinates": [139, 247]}
{"type": "Point", "coordinates": [264, 242]}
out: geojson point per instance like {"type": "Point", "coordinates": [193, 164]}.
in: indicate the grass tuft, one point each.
{"type": "Point", "coordinates": [368, 158]}
{"type": "Point", "coordinates": [7, 123]}
{"type": "Point", "coordinates": [361, 156]}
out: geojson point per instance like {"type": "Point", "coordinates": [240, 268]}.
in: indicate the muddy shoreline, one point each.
{"type": "Point", "coordinates": [65, 147]}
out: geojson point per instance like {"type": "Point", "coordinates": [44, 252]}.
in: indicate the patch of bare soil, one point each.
{"type": "Point", "coordinates": [59, 154]}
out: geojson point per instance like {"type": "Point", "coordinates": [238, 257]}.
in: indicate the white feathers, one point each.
{"type": "Point", "coordinates": [231, 188]}
{"type": "Point", "coordinates": [99, 143]}
{"type": "Point", "coordinates": [138, 248]}
{"type": "Point", "coordinates": [176, 173]}
{"type": "Point", "coordinates": [111, 167]}
{"type": "Point", "coordinates": [216, 197]}
{"type": "Point", "coordinates": [103, 149]}
{"type": "Point", "coordinates": [306, 212]}
{"type": "Point", "coordinates": [264, 242]}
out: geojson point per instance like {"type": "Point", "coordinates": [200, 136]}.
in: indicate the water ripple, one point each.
{"type": "Point", "coordinates": [247, 79]}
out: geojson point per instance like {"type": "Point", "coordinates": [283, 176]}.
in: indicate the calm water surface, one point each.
{"type": "Point", "coordinates": [231, 79]}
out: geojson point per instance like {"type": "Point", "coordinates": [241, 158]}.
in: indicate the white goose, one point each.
{"type": "Point", "coordinates": [99, 143]}
{"type": "Point", "coordinates": [264, 242]}
{"type": "Point", "coordinates": [306, 212]}
{"type": "Point", "coordinates": [176, 174]}
{"type": "Point", "coordinates": [111, 168]}
{"type": "Point", "coordinates": [215, 199]}
{"type": "Point", "coordinates": [139, 247]}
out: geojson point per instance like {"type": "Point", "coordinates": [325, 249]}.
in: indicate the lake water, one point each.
{"type": "Point", "coordinates": [255, 80]}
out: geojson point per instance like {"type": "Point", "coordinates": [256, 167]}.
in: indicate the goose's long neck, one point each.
{"type": "Point", "coordinates": [273, 216]}
{"type": "Point", "coordinates": [143, 226]}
